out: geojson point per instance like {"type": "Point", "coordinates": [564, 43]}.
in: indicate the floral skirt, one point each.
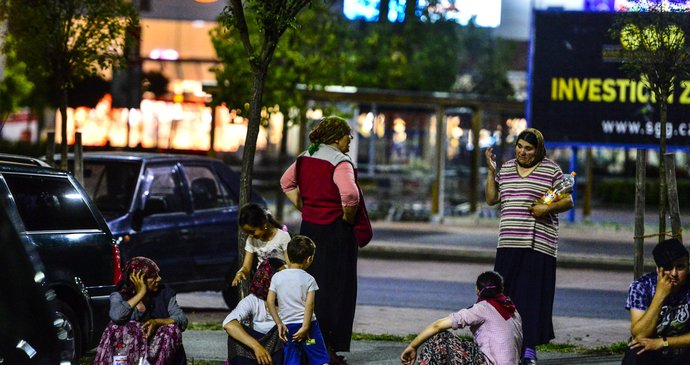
{"type": "Point", "coordinates": [163, 348]}
{"type": "Point", "coordinates": [446, 349]}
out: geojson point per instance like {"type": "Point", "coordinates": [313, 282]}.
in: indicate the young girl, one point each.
{"type": "Point", "coordinates": [493, 320]}
{"type": "Point", "coordinates": [265, 238]}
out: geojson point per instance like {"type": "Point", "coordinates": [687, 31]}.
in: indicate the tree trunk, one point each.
{"type": "Point", "coordinates": [638, 249]}
{"type": "Point", "coordinates": [248, 157]}
{"type": "Point", "coordinates": [663, 105]}
{"type": "Point", "coordinates": [673, 206]}
{"type": "Point", "coordinates": [63, 128]}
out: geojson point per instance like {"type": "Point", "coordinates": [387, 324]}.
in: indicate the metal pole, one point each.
{"type": "Point", "coordinates": [439, 183]}
{"type": "Point", "coordinates": [78, 159]}
{"type": "Point", "coordinates": [371, 165]}
{"type": "Point", "coordinates": [573, 167]}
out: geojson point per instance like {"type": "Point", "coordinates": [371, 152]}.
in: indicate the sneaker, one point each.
{"type": "Point", "coordinates": [526, 361]}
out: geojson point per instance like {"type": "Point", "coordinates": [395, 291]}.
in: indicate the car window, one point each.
{"type": "Point", "coordinates": [162, 190]}
{"type": "Point", "coordinates": [49, 203]}
{"type": "Point", "coordinates": [111, 185]}
{"type": "Point", "coordinates": [206, 191]}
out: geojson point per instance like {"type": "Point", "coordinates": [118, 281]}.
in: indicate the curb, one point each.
{"type": "Point", "coordinates": [392, 251]}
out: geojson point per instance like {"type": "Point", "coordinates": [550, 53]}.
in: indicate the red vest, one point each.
{"type": "Point", "coordinates": [321, 203]}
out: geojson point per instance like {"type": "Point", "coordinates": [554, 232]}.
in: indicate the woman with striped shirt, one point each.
{"type": "Point", "coordinates": [528, 234]}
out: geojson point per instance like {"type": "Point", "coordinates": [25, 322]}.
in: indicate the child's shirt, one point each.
{"type": "Point", "coordinates": [291, 287]}
{"type": "Point", "coordinates": [252, 311]}
{"type": "Point", "coordinates": [275, 247]}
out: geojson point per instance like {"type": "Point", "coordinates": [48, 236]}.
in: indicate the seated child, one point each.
{"type": "Point", "coordinates": [295, 290]}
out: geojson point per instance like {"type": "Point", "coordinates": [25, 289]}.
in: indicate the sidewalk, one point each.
{"type": "Point", "coordinates": [211, 346]}
{"type": "Point", "coordinates": [610, 227]}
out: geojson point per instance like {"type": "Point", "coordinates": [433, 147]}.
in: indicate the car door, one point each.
{"type": "Point", "coordinates": [165, 229]}
{"type": "Point", "coordinates": [214, 215]}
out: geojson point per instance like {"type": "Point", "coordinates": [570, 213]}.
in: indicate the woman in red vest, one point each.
{"type": "Point", "coordinates": [322, 184]}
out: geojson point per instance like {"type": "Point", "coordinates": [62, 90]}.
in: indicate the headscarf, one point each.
{"type": "Point", "coordinates": [125, 286]}
{"type": "Point", "coordinates": [502, 303]}
{"type": "Point", "coordinates": [262, 277]}
{"type": "Point", "coordinates": [536, 139]}
{"type": "Point", "coordinates": [328, 130]}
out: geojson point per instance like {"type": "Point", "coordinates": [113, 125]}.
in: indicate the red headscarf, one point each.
{"type": "Point", "coordinates": [136, 264]}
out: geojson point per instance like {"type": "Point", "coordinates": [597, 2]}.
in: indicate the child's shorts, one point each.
{"type": "Point", "coordinates": [314, 347]}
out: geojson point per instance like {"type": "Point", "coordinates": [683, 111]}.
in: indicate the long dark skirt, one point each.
{"type": "Point", "coordinates": [335, 271]}
{"type": "Point", "coordinates": [163, 348]}
{"type": "Point", "coordinates": [240, 354]}
{"type": "Point", "coordinates": [530, 281]}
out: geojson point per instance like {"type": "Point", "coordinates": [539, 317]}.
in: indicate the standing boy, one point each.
{"type": "Point", "coordinates": [295, 290]}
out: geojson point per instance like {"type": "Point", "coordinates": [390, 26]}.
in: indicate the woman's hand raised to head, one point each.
{"type": "Point", "coordinates": [139, 281]}
{"type": "Point", "coordinates": [490, 159]}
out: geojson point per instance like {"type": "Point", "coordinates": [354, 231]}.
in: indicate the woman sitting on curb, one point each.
{"type": "Point", "coordinates": [147, 322]}
{"type": "Point", "coordinates": [494, 322]}
{"type": "Point", "coordinates": [252, 333]}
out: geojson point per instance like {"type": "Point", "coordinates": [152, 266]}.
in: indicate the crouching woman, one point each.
{"type": "Point", "coordinates": [146, 321]}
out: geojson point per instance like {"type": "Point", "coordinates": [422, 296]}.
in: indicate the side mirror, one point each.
{"type": "Point", "coordinates": [137, 219]}
{"type": "Point", "coordinates": [153, 205]}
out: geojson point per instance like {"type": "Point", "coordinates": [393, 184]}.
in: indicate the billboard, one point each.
{"type": "Point", "coordinates": [579, 95]}
{"type": "Point", "coordinates": [485, 13]}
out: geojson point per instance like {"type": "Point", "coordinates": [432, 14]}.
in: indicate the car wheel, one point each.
{"type": "Point", "coordinates": [231, 295]}
{"type": "Point", "coordinates": [69, 331]}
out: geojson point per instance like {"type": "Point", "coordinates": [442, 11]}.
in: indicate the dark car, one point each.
{"type": "Point", "coordinates": [53, 214]}
{"type": "Point", "coordinates": [27, 317]}
{"type": "Point", "coordinates": [179, 210]}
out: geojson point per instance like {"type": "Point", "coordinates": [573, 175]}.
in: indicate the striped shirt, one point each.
{"type": "Point", "coordinates": [518, 228]}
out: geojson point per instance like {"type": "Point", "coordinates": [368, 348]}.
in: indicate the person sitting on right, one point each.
{"type": "Point", "coordinates": [659, 305]}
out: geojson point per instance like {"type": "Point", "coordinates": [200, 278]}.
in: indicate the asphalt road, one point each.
{"type": "Point", "coordinates": [487, 239]}
{"type": "Point", "coordinates": [401, 293]}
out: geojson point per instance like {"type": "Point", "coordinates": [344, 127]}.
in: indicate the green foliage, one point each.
{"type": "Point", "coordinates": [615, 349]}
{"type": "Point", "coordinates": [655, 47]}
{"type": "Point", "coordinates": [64, 41]}
{"type": "Point", "coordinates": [205, 326]}
{"type": "Point", "coordinates": [559, 347]}
{"type": "Point", "coordinates": [622, 191]}
{"type": "Point", "coordinates": [323, 48]}
{"type": "Point", "coordinates": [382, 337]}
{"type": "Point", "coordinates": [15, 87]}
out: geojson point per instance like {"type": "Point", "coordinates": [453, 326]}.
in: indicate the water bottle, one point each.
{"type": "Point", "coordinates": [563, 188]}
{"type": "Point", "coordinates": [120, 355]}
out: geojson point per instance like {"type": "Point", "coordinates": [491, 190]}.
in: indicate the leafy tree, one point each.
{"type": "Point", "coordinates": [655, 51]}
{"type": "Point", "coordinates": [62, 41]}
{"type": "Point", "coordinates": [15, 87]}
{"type": "Point", "coordinates": [273, 18]}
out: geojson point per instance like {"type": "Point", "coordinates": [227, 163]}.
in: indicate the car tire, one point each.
{"type": "Point", "coordinates": [69, 331]}
{"type": "Point", "coordinates": [231, 295]}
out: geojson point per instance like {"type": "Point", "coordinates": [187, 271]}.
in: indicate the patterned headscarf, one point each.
{"type": "Point", "coordinates": [262, 277]}
{"type": "Point", "coordinates": [151, 271]}
{"type": "Point", "coordinates": [536, 139]}
{"type": "Point", "coordinates": [329, 130]}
